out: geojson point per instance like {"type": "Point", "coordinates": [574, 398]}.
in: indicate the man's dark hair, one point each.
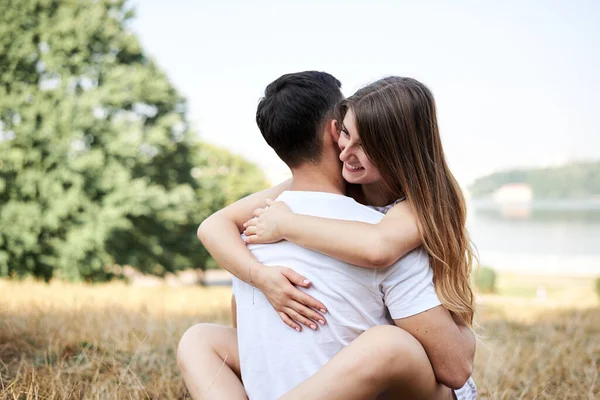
{"type": "Point", "coordinates": [293, 111]}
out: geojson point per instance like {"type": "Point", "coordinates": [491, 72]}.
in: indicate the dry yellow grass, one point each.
{"type": "Point", "coordinates": [539, 349]}
{"type": "Point", "coordinates": [116, 341]}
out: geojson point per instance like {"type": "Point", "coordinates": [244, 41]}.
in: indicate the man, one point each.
{"type": "Point", "coordinates": [297, 119]}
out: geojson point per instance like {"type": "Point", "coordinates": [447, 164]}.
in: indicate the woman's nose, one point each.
{"type": "Point", "coordinates": [344, 153]}
{"type": "Point", "coordinates": [343, 145]}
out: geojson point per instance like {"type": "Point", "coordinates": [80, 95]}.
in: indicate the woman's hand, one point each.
{"type": "Point", "coordinates": [267, 224]}
{"type": "Point", "coordinates": [292, 304]}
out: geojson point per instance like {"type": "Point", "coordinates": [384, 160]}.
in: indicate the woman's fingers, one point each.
{"type": "Point", "coordinates": [258, 212]}
{"type": "Point", "coordinates": [298, 295]}
{"type": "Point", "coordinates": [295, 277]}
{"type": "Point", "coordinates": [310, 302]}
{"type": "Point", "coordinates": [292, 305]}
{"type": "Point", "coordinates": [307, 313]}
{"type": "Point", "coordinates": [296, 316]}
{"type": "Point", "coordinates": [289, 322]}
{"type": "Point", "coordinates": [250, 222]}
{"type": "Point", "coordinates": [249, 231]}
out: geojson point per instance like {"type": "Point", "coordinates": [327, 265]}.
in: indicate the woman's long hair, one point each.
{"type": "Point", "coordinates": [397, 123]}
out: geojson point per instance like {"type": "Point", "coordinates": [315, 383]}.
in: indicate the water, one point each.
{"type": "Point", "coordinates": [554, 238]}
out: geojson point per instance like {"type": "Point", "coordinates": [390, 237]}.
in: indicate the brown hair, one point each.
{"type": "Point", "coordinates": [397, 123]}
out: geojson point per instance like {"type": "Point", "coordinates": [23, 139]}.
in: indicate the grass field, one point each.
{"type": "Point", "coordinates": [116, 341]}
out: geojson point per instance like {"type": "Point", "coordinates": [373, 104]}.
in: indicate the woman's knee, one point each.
{"type": "Point", "coordinates": [389, 340]}
{"type": "Point", "coordinates": [196, 339]}
{"type": "Point", "coordinates": [403, 365]}
{"type": "Point", "coordinates": [392, 350]}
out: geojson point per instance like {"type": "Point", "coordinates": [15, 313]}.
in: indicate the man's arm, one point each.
{"type": "Point", "coordinates": [410, 296]}
{"type": "Point", "coordinates": [450, 347]}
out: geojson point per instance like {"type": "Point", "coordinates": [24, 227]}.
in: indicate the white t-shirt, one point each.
{"type": "Point", "coordinates": [275, 358]}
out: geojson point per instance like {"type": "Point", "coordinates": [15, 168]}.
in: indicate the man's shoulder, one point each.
{"type": "Point", "coordinates": [419, 255]}
{"type": "Point", "coordinates": [302, 195]}
{"type": "Point", "coordinates": [328, 205]}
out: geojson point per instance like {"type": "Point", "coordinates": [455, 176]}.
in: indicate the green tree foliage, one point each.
{"type": "Point", "coordinates": [577, 180]}
{"type": "Point", "coordinates": [97, 163]}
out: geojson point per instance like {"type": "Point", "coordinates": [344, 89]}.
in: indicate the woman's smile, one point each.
{"type": "Point", "coordinates": [353, 168]}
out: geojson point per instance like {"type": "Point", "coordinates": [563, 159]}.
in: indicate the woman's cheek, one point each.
{"type": "Point", "coordinates": [371, 169]}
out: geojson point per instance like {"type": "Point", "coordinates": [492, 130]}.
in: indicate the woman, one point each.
{"type": "Point", "coordinates": [397, 155]}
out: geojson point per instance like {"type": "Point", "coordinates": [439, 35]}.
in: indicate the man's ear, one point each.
{"type": "Point", "coordinates": [334, 130]}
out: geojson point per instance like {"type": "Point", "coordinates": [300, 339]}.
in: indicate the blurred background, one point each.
{"type": "Point", "coordinates": [123, 124]}
{"type": "Point", "coordinates": [516, 85]}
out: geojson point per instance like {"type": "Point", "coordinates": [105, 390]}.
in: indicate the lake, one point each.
{"type": "Point", "coordinates": [543, 237]}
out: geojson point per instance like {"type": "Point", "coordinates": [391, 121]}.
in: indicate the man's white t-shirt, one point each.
{"type": "Point", "coordinates": [275, 358]}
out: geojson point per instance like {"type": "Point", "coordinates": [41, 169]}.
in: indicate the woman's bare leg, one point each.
{"type": "Point", "coordinates": [209, 361]}
{"type": "Point", "coordinates": [384, 362]}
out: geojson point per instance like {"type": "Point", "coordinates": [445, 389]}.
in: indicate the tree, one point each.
{"type": "Point", "coordinates": [96, 156]}
{"type": "Point", "coordinates": [572, 181]}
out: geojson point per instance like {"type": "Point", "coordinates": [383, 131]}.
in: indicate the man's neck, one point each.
{"type": "Point", "coordinates": [318, 178]}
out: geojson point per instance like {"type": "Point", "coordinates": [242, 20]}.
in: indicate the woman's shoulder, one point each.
{"type": "Point", "coordinates": [385, 209]}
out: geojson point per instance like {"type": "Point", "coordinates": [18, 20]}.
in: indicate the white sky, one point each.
{"type": "Point", "coordinates": [516, 82]}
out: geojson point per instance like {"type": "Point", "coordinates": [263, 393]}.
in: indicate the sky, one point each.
{"type": "Point", "coordinates": [517, 83]}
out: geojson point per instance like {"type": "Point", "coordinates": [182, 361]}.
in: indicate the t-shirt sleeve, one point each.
{"type": "Point", "coordinates": [407, 286]}
{"type": "Point", "coordinates": [234, 285]}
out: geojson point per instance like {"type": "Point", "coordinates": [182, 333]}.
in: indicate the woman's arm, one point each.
{"type": "Point", "coordinates": [220, 234]}
{"type": "Point", "coordinates": [358, 243]}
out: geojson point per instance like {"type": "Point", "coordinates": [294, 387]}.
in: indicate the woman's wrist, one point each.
{"type": "Point", "coordinates": [286, 225]}
{"type": "Point", "coordinates": [256, 273]}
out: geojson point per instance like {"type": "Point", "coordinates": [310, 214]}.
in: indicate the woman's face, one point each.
{"type": "Point", "coordinates": [357, 168]}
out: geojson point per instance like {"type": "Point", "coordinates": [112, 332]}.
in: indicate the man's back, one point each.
{"type": "Point", "coordinates": [274, 358]}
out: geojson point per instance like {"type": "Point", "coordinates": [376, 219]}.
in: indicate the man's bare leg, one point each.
{"type": "Point", "coordinates": [208, 358]}
{"type": "Point", "coordinates": [385, 362]}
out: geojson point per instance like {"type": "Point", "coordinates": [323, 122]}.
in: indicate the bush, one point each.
{"type": "Point", "coordinates": [598, 287]}
{"type": "Point", "coordinates": [485, 280]}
